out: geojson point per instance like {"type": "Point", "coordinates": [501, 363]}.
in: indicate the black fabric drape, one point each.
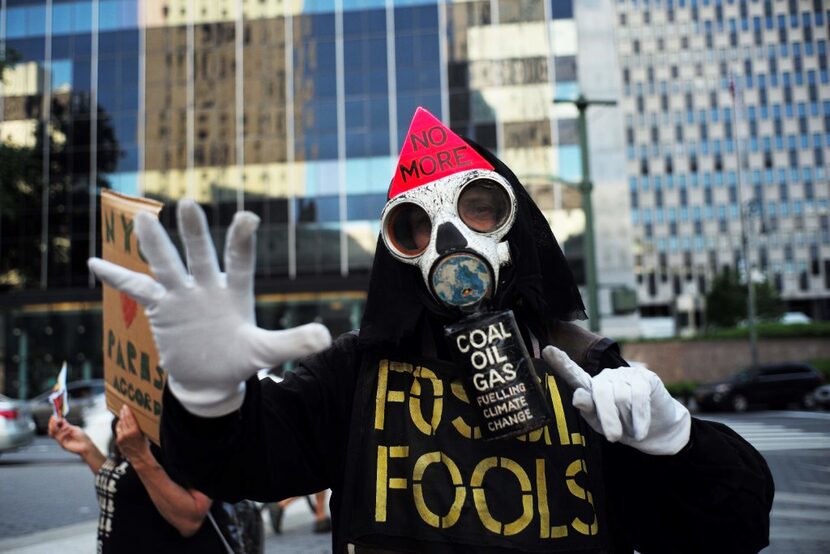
{"type": "Point", "coordinates": [538, 283]}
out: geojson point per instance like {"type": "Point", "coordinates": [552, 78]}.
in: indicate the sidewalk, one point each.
{"type": "Point", "coordinates": [79, 538]}
{"type": "Point", "coordinates": [70, 539]}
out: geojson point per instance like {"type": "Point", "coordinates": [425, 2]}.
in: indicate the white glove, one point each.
{"type": "Point", "coordinates": [203, 323]}
{"type": "Point", "coordinates": [628, 404]}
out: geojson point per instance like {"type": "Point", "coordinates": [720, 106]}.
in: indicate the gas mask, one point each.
{"type": "Point", "coordinates": [448, 213]}
{"type": "Point", "coordinates": [452, 230]}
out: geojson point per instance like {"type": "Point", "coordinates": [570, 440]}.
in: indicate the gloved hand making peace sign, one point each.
{"type": "Point", "coordinates": [203, 322]}
{"type": "Point", "coordinates": [627, 404]}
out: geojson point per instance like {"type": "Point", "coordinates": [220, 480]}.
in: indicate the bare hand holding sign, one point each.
{"type": "Point", "coordinates": [628, 404]}
{"type": "Point", "coordinates": [203, 322]}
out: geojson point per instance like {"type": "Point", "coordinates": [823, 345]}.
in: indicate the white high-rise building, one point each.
{"type": "Point", "coordinates": [700, 78]}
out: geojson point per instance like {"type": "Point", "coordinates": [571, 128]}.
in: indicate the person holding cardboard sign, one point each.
{"type": "Point", "coordinates": [142, 508]}
{"type": "Point", "coordinates": [437, 425]}
{"type": "Point", "coordinates": [203, 320]}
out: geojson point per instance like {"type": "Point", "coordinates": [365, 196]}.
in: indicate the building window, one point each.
{"type": "Point", "coordinates": [561, 9]}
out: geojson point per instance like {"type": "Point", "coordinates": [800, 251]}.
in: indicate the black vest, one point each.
{"type": "Point", "coordinates": [420, 479]}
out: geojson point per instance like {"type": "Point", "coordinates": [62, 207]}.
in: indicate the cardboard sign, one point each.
{"type": "Point", "coordinates": [131, 371]}
{"type": "Point", "coordinates": [58, 398]}
{"type": "Point", "coordinates": [432, 151]}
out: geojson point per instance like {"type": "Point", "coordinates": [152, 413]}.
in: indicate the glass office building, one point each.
{"type": "Point", "coordinates": [292, 109]}
{"type": "Point", "coordinates": [703, 79]}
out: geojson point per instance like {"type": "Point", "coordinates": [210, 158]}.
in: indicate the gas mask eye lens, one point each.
{"type": "Point", "coordinates": [409, 228]}
{"type": "Point", "coordinates": [484, 205]}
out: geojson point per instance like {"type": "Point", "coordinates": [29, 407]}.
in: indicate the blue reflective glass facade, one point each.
{"type": "Point", "coordinates": [295, 113]}
{"type": "Point", "coordinates": [66, 134]}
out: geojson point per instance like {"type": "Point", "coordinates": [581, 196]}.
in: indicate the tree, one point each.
{"type": "Point", "coordinates": [768, 301]}
{"type": "Point", "coordinates": [18, 185]}
{"type": "Point", "coordinates": [9, 57]}
{"type": "Point", "coordinates": [21, 192]}
{"type": "Point", "coordinates": [17, 167]}
{"type": "Point", "coordinates": [726, 301]}
{"type": "Point", "coordinates": [18, 170]}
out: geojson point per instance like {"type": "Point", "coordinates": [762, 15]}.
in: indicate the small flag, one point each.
{"type": "Point", "coordinates": [58, 398]}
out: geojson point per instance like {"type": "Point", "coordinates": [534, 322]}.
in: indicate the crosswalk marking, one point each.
{"type": "Point", "coordinates": [803, 498]}
{"type": "Point", "coordinates": [823, 486]}
{"type": "Point", "coordinates": [773, 436]}
{"type": "Point", "coordinates": [804, 508]}
{"type": "Point", "coordinates": [800, 512]}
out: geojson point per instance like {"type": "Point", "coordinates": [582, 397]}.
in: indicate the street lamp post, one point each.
{"type": "Point", "coordinates": [744, 216]}
{"type": "Point", "coordinates": [585, 186]}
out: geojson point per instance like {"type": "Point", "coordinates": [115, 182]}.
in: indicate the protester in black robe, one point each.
{"type": "Point", "coordinates": [379, 417]}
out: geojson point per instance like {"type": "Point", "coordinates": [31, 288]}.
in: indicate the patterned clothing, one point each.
{"type": "Point", "coordinates": [129, 521]}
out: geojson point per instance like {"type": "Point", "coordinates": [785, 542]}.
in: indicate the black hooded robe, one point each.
{"type": "Point", "coordinates": [378, 418]}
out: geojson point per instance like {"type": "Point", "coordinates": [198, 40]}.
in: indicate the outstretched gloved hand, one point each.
{"type": "Point", "coordinates": [203, 322]}
{"type": "Point", "coordinates": [628, 404]}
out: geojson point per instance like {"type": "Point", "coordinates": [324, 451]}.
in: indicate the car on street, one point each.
{"type": "Point", "coordinates": [795, 318]}
{"type": "Point", "coordinates": [821, 397]}
{"type": "Point", "coordinates": [16, 426]}
{"type": "Point", "coordinates": [82, 395]}
{"type": "Point", "coordinates": [770, 385]}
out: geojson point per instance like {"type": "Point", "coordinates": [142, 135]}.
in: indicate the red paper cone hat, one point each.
{"type": "Point", "coordinates": [432, 151]}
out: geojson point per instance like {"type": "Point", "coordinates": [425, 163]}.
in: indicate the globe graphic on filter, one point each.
{"type": "Point", "coordinates": [461, 280]}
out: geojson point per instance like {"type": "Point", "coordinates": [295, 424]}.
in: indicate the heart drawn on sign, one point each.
{"type": "Point", "coordinates": [129, 307]}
